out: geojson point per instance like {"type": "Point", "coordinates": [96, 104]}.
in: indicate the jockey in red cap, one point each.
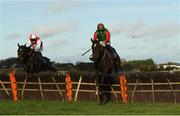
{"type": "Point", "coordinates": [37, 46]}
{"type": "Point", "coordinates": [35, 43]}
{"type": "Point", "coordinates": [102, 35]}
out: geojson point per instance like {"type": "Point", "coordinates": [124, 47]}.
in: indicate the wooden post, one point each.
{"type": "Point", "coordinates": [40, 87]}
{"type": "Point", "coordinates": [77, 90]}
{"type": "Point", "coordinates": [174, 93]}
{"type": "Point", "coordinates": [115, 95]}
{"type": "Point", "coordinates": [134, 90]}
{"type": "Point", "coordinates": [4, 88]}
{"type": "Point", "coordinates": [58, 88]}
{"type": "Point", "coordinates": [24, 84]}
{"type": "Point", "coordinates": [152, 86]}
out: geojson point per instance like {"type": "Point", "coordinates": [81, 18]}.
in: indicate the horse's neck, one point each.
{"type": "Point", "coordinates": [25, 60]}
{"type": "Point", "coordinates": [105, 55]}
{"type": "Point", "coordinates": [103, 59]}
{"type": "Point", "coordinates": [27, 57]}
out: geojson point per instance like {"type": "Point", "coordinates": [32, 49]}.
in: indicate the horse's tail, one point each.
{"type": "Point", "coordinates": [53, 67]}
{"type": "Point", "coordinates": [50, 65]}
{"type": "Point", "coordinates": [46, 59]}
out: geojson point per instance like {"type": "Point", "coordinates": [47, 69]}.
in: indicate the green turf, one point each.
{"type": "Point", "coordinates": [59, 107]}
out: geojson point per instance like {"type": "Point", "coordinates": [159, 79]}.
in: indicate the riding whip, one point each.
{"type": "Point", "coordinates": [86, 52]}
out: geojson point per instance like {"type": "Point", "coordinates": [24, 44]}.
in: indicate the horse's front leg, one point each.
{"type": "Point", "coordinates": [101, 83]}
{"type": "Point", "coordinates": [97, 83]}
{"type": "Point", "coordinates": [103, 75]}
{"type": "Point", "coordinates": [101, 93]}
{"type": "Point", "coordinates": [97, 86]}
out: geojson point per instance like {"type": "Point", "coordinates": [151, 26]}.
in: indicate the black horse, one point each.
{"type": "Point", "coordinates": [105, 65]}
{"type": "Point", "coordinates": [32, 62]}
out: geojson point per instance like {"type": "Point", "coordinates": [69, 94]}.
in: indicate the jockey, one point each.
{"type": "Point", "coordinates": [37, 46]}
{"type": "Point", "coordinates": [102, 35]}
{"type": "Point", "coordinates": [35, 43]}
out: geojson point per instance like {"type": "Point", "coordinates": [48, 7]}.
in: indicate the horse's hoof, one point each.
{"type": "Point", "coordinates": [101, 93]}
{"type": "Point", "coordinates": [105, 103]}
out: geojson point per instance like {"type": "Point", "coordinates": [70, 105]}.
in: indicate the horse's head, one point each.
{"type": "Point", "coordinates": [97, 50]}
{"type": "Point", "coordinates": [22, 51]}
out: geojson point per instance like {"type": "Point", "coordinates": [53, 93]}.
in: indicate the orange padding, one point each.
{"type": "Point", "coordinates": [13, 84]}
{"type": "Point", "coordinates": [68, 87]}
{"type": "Point", "coordinates": [123, 87]}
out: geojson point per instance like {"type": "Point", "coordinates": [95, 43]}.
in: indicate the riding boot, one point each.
{"type": "Point", "coordinates": [91, 58]}
{"type": "Point", "coordinates": [112, 52]}
{"type": "Point", "coordinates": [114, 55]}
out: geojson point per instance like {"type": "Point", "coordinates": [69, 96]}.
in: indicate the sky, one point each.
{"type": "Point", "coordinates": [140, 29]}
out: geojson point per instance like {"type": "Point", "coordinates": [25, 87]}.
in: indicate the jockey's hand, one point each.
{"type": "Point", "coordinates": [102, 43]}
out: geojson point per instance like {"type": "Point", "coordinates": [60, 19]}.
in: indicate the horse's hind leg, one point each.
{"type": "Point", "coordinates": [107, 95]}
{"type": "Point", "coordinates": [99, 86]}
{"type": "Point", "coordinates": [101, 96]}
{"type": "Point", "coordinates": [109, 80]}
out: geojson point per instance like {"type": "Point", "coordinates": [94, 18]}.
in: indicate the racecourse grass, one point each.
{"type": "Point", "coordinates": [85, 107]}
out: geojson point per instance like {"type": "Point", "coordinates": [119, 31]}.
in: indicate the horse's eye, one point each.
{"type": "Point", "coordinates": [95, 45]}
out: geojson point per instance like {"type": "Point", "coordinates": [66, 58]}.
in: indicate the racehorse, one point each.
{"type": "Point", "coordinates": [105, 66]}
{"type": "Point", "coordinates": [31, 62]}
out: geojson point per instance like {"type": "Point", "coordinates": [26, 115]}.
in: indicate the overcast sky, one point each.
{"type": "Point", "coordinates": [66, 26]}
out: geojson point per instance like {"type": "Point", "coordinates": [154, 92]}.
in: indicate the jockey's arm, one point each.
{"type": "Point", "coordinates": [38, 45]}
{"type": "Point", "coordinates": [32, 46]}
{"type": "Point", "coordinates": [108, 35]}
{"type": "Point", "coordinates": [95, 37]}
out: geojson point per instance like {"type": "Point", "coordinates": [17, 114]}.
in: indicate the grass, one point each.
{"type": "Point", "coordinates": [84, 107]}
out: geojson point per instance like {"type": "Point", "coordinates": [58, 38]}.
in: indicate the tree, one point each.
{"type": "Point", "coordinates": [7, 63]}
{"type": "Point", "coordinates": [143, 65]}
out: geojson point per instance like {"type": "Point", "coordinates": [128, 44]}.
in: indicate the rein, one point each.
{"type": "Point", "coordinates": [104, 55]}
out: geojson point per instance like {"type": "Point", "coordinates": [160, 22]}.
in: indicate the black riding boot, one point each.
{"type": "Point", "coordinates": [91, 58]}
{"type": "Point", "coordinates": [40, 59]}
{"type": "Point", "coordinates": [115, 56]}
{"type": "Point", "coordinates": [112, 51]}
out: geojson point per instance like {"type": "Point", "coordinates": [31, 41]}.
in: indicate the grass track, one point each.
{"type": "Point", "coordinates": [85, 107]}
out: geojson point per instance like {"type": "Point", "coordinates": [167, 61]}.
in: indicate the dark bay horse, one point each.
{"type": "Point", "coordinates": [105, 66]}
{"type": "Point", "coordinates": [31, 62]}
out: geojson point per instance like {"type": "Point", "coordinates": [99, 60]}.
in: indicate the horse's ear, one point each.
{"type": "Point", "coordinates": [25, 45]}
{"type": "Point", "coordinates": [18, 45]}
